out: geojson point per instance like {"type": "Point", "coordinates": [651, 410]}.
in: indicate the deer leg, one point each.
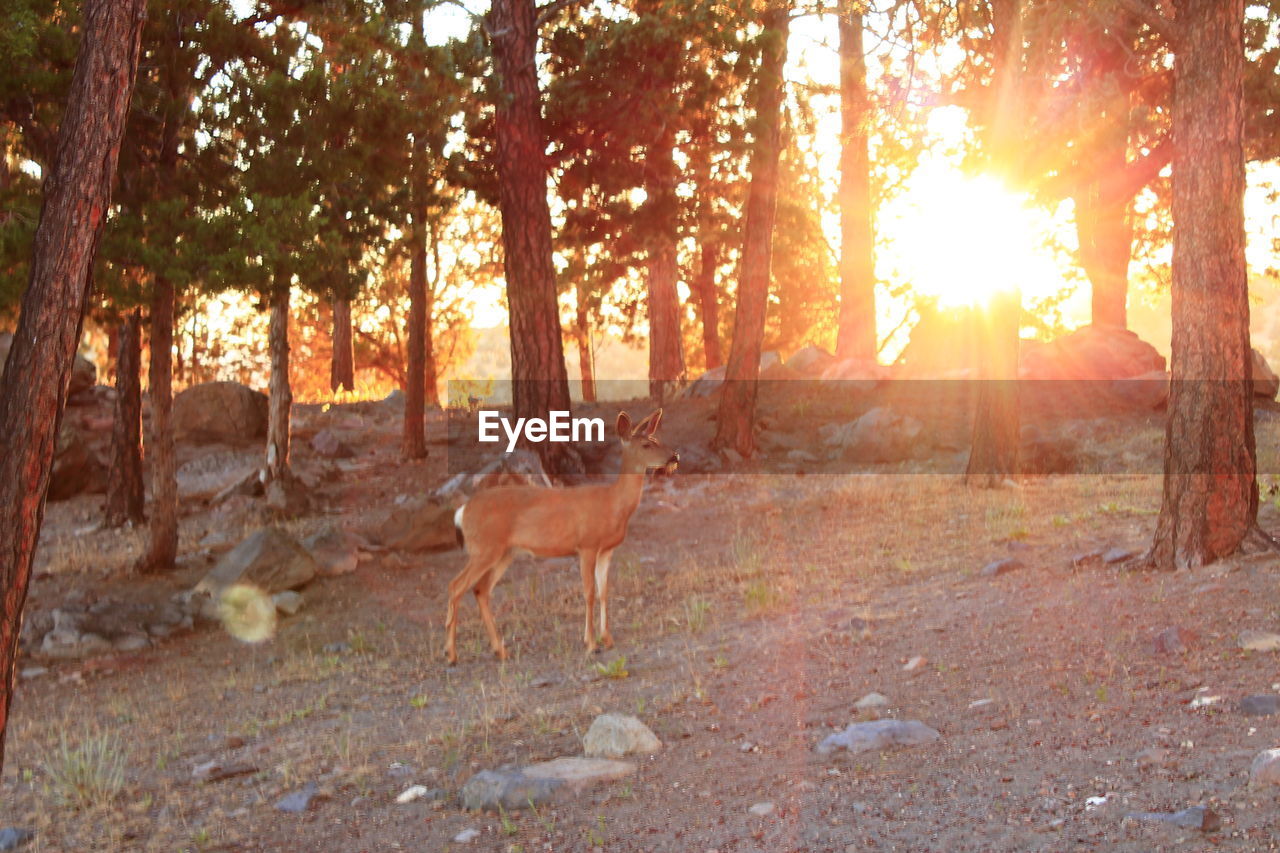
{"type": "Point", "coordinates": [602, 592]}
{"type": "Point", "coordinates": [483, 590]}
{"type": "Point", "coordinates": [587, 561]}
{"type": "Point", "coordinates": [477, 565]}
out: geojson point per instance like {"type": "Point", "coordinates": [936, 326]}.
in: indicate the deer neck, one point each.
{"type": "Point", "coordinates": [628, 488]}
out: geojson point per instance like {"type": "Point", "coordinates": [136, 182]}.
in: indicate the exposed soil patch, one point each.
{"type": "Point", "coordinates": [753, 612]}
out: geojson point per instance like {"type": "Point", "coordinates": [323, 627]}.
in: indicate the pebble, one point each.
{"type": "Point", "coordinates": [1195, 817]}
{"type": "Point", "coordinates": [413, 792]}
{"type": "Point", "coordinates": [762, 809]}
{"type": "Point", "coordinates": [11, 837]}
{"type": "Point", "coordinates": [872, 700]}
{"type": "Point", "coordinates": [1002, 566]}
{"type": "Point", "coordinates": [878, 734]}
{"type": "Point", "coordinates": [1263, 705]}
{"type": "Point", "coordinates": [1173, 641]}
{"type": "Point", "coordinates": [35, 671]}
{"type": "Point", "coordinates": [915, 663]}
{"type": "Point", "coordinates": [467, 836]}
{"type": "Point", "coordinates": [1116, 555]}
{"type": "Point", "coordinates": [1265, 769]}
{"type": "Point", "coordinates": [298, 801]}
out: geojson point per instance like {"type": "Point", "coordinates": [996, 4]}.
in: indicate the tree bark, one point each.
{"type": "Point", "coordinates": [1210, 499]}
{"type": "Point", "coordinates": [704, 288]}
{"type": "Point", "coordinates": [125, 485]}
{"type": "Point", "coordinates": [586, 358]}
{"type": "Point", "coordinates": [33, 389]}
{"type": "Point", "coordinates": [735, 425]}
{"type": "Point", "coordinates": [856, 337]}
{"type": "Point", "coordinates": [540, 383]}
{"type": "Point", "coordinates": [993, 454]}
{"type": "Point", "coordinates": [280, 401]}
{"type": "Point", "coordinates": [342, 373]}
{"type": "Point", "coordinates": [414, 436]}
{"type": "Point", "coordinates": [430, 371]}
{"type": "Point", "coordinates": [162, 547]}
{"type": "Point", "coordinates": [666, 355]}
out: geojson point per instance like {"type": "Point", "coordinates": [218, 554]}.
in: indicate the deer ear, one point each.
{"type": "Point", "coordinates": [654, 421]}
{"type": "Point", "coordinates": [624, 425]}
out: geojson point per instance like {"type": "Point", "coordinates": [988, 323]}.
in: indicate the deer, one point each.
{"type": "Point", "coordinates": [590, 521]}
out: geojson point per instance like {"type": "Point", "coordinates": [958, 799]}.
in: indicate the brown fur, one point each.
{"type": "Point", "coordinates": [590, 521]}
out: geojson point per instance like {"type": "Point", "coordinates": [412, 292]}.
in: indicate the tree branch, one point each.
{"type": "Point", "coordinates": [1160, 24]}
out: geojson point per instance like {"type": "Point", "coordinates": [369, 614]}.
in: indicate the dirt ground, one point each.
{"type": "Point", "coordinates": [751, 611]}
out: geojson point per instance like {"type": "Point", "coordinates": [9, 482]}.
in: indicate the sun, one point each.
{"type": "Point", "coordinates": [963, 238]}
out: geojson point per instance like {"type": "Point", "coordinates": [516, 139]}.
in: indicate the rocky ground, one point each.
{"type": "Point", "coordinates": [1062, 702]}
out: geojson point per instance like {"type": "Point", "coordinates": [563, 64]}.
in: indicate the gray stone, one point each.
{"type": "Point", "coordinates": [510, 789]}
{"type": "Point", "coordinates": [466, 836]}
{"type": "Point", "coordinates": [763, 809]}
{"type": "Point", "coordinates": [1265, 381]}
{"type": "Point", "coordinates": [336, 551]}
{"type": "Point", "coordinates": [578, 774]}
{"type": "Point", "coordinates": [880, 435]}
{"type": "Point", "coordinates": [327, 444]}
{"type": "Point", "coordinates": [518, 468]}
{"type": "Point", "coordinates": [287, 602]}
{"type": "Point", "coordinates": [1263, 705]}
{"type": "Point", "coordinates": [1002, 566]}
{"type": "Point", "coordinates": [217, 770]}
{"type": "Point", "coordinates": [1259, 641]}
{"type": "Point", "coordinates": [12, 837]}
{"type": "Point", "coordinates": [298, 801]}
{"type": "Point", "coordinates": [878, 734]}
{"type": "Point", "coordinates": [1195, 817]}
{"type": "Point", "coordinates": [811, 360]}
{"type": "Point", "coordinates": [616, 735]}
{"type": "Point", "coordinates": [1265, 769]}
{"type": "Point", "coordinates": [1173, 641]}
{"type": "Point", "coordinates": [872, 701]}
{"type": "Point", "coordinates": [1116, 555]}
{"type": "Point", "coordinates": [269, 558]}
{"type": "Point", "coordinates": [131, 643]}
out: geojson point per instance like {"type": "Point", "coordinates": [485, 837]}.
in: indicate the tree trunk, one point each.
{"type": "Point", "coordinates": [413, 444]}
{"type": "Point", "coordinates": [342, 372]}
{"type": "Point", "coordinates": [430, 370]}
{"type": "Point", "coordinates": [993, 454]}
{"type": "Point", "coordinates": [666, 355]}
{"type": "Point", "coordinates": [736, 419]}
{"type": "Point", "coordinates": [857, 333]}
{"type": "Point", "coordinates": [993, 457]}
{"type": "Point", "coordinates": [125, 487]}
{"type": "Point", "coordinates": [162, 548]}
{"type": "Point", "coordinates": [704, 287]}
{"type": "Point", "coordinates": [586, 358]}
{"type": "Point", "coordinates": [280, 401]}
{"type": "Point", "coordinates": [33, 389]}
{"type": "Point", "coordinates": [540, 383]}
{"type": "Point", "coordinates": [1210, 497]}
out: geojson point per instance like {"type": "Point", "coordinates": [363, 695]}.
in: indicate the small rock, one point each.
{"type": "Point", "coordinates": [216, 771]}
{"type": "Point", "coordinates": [1002, 566]}
{"type": "Point", "coordinates": [467, 836]}
{"type": "Point", "coordinates": [1173, 641]}
{"type": "Point", "coordinates": [1116, 555]}
{"type": "Point", "coordinates": [11, 837]}
{"type": "Point", "coordinates": [915, 663]}
{"type": "Point", "coordinates": [982, 705]}
{"type": "Point", "coordinates": [1087, 557]}
{"type": "Point", "coordinates": [1152, 756]}
{"type": "Point", "coordinates": [1263, 705]}
{"type": "Point", "coordinates": [508, 789]}
{"type": "Point", "coordinates": [413, 792]}
{"type": "Point", "coordinates": [616, 735]}
{"type": "Point", "coordinates": [879, 734]}
{"type": "Point", "coordinates": [288, 602]}
{"type": "Point", "coordinates": [872, 701]}
{"type": "Point", "coordinates": [1195, 817]}
{"type": "Point", "coordinates": [34, 671]}
{"type": "Point", "coordinates": [131, 643]}
{"type": "Point", "coordinates": [1265, 769]}
{"type": "Point", "coordinates": [326, 443]}
{"type": "Point", "coordinates": [1259, 641]}
{"type": "Point", "coordinates": [746, 746]}
{"type": "Point", "coordinates": [298, 801]}
{"type": "Point", "coordinates": [762, 809]}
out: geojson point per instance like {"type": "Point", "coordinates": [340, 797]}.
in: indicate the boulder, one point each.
{"type": "Point", "coordinates": [269, 558]}
{"type": "Point", "coordinates": [1265, 381]}
{"type": "Point", "coordinates": [225, 412]}
{"type": "Point", "coordinates": [518, 468]}
{"type": "Point", "coordinates": [880, 435]}
{"type": "Point", "coordinates": [1091, 352]}
{"type": "Point", "coordinates": [866, 374]}
{"type": "Point", "coordinates": [1148, 391]}
{"type": "Point", "coordinates": [425, 527]}
{"type": "Point", "coordinates": [77, 469]}
{"type": "Point", "coordinates": [616, 735]}
{"type": "Point", "coordinates": [327, 444]}
{"type": "Point", "coordinates": [811, 361]}
{"type": "Point", "coordinates": [706, 384]}
{"type": "Point", "coordinates": [336, 551]}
